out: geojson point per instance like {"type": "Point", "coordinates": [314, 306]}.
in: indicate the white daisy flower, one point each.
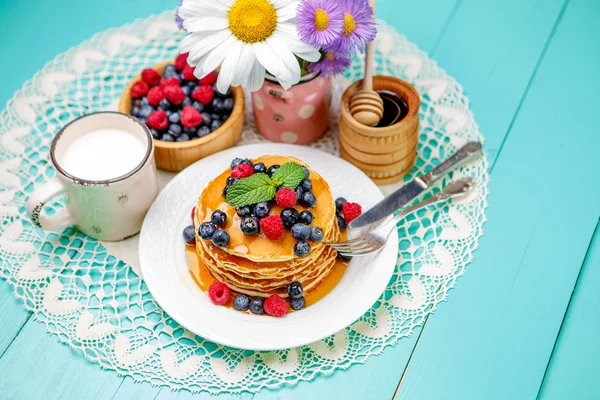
{"type": "Point", "coordinates": [244, 37]}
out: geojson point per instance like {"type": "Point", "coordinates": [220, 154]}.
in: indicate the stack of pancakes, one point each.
{"type": "Point", "coordinates": [255, 265]}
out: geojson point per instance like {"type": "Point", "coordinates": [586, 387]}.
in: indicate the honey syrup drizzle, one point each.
{"type": "Point", "coordinates": [204, 278]}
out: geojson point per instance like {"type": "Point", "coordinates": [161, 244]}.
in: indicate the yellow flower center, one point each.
{"type": "Point", "coordinates": [349, 24]}
{"type": "Point", "coordinates": [321, 20]}
{"type": "Point", "coordinates": [252, 21]}
{"type": "Point", "coordinates": [330, 56]}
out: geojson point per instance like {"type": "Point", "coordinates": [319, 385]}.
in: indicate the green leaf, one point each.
{"type": "Point", "coordinates": [254, 189]}
{"type": "Point", "coordinates": [289, 175]}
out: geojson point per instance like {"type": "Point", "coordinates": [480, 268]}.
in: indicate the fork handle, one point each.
{"type": "Point", "coordinates": [457, 189]}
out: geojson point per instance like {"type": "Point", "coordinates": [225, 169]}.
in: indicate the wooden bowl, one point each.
{"type": "Point", "coordinates": [175, 156]}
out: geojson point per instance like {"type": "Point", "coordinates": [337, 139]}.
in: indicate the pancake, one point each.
{"type": "Point", "coordinates": [256, 265]}
{"type": "Point", "coordinates": [260, 248]}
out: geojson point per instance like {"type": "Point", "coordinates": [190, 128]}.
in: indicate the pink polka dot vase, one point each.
{"type": "Point", "coordinates": [298, 115]}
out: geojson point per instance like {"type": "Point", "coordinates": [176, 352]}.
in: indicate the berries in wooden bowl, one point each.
{"type": "Point", "coordinates": [189, 119]}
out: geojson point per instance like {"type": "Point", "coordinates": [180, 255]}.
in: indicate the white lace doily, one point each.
{"type": "Point", "coordinates": [89, 293]}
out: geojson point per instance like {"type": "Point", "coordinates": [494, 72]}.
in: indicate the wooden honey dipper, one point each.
{"type": "Point", "coordinates": [366, 106]}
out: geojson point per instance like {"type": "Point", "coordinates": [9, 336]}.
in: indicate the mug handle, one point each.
{"type": "Point", "coordinates": [39, 198]}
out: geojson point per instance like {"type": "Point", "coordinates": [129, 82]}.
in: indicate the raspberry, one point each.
{"type": "Point", "coordinates": [174, 94]}
{"type": "Point", "coordinates": [181, 61]}
{"type": "Point", "coordinates": [351, 211]}
{"type": "Point", "coordinates": [193, 212]}
{"type": "Point", "coordinates": [242, 171]}
{"type": "Point", "coordinates": [188, 73]}
{"type": "Point", "coordinates": [158, 120]}
{"type": "Point", "coordinates": [209, 79]}
{"type": "Point", "coordinates": [219, 293]}
{"type": "Point", "coordinates": [151, 77]}
{"type": "Point", "coordinates": [275, 306]}
{"type": "Point", "coordinates": [190, 117]}
{"type": "Point", "coordinates": [272, 227]}
{"type": "Point", "coordinates": [155, 95]}
{"type": "Point", "coordinates": [139, 89]}
{"type": "Point", "coordinates": [204, 94]}
{"type": "Point", "coordinates": [168, 82]}
{"type": "Point", "coordinates": [286, 198]}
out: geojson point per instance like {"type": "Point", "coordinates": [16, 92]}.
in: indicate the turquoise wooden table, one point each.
{"type": "Point", "coordinates": [524, 320]}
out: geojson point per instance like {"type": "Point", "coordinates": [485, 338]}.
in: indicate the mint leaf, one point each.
{"type": "Point", "coordinates": [254, 189]}
{"type": "Point", "coordinates": [289, 175]}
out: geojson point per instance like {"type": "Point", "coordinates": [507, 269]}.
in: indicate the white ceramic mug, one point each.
{"type": "Point", "coordinates": [111, 209]}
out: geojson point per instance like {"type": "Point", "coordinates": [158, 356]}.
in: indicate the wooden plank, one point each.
{"type": "Point", "coordinates": [494, 339]}
{"type": "Point", "coordinates": [45, 369]}
{"type": "Point", "coordinates": [12, 317]}
{"type": "Point", "coordinates": [573, 370]}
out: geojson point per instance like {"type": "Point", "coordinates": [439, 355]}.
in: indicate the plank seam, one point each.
{"type": "Point", "coordinates": [446, 25]}
{"type": "Point", "coordinates": [585, 259]}
{"type": "Point", "coordinates": [16, 335]}
{"type": "Point", "coordinates": [530, 82]}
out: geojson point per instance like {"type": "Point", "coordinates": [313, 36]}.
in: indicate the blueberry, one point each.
{"type": "Point", "coordinates": [168, 113]}
{"type": "Point", "coordinates": [216, 124]}
{"type": "Point", "coordinates": [249, 225]}
{"type": "Point", "coordinates": [189, 235]}
{"type": "Point", "coordinates": [272, 169]}
{"type": "Point", "coordinates": [225, 190]}
{"type": "Point", "coordinates": [224, 117]}
{"type": "Point", "coordinates": [302, 248]}
{"type": "Point", "coordinates": [228, 104]}
{"type": "Point", "coordinates": [182, 138]}
{"type": "Point", "coordinates": [145, 111]}
{"type": "Point", "coordinates": [187, 90]}
{"type": "Point", "coordinates": [191, 132]}
{"type": "Point", "coordinates": [300, 231]}
{"type": "Point", "coordinates": [295, 290]}
{"type": "Point", "coordinates": [203, 131]}
{"type": "Point", "coordinates": [186, 102]}
{"type": "Point", "coordinates": [256, 305]}
{"type": "Point", "coordinates": [241, 302]}
{"type": "Point", "coordinates": [308, 199]}
{"type": "Point", "coordinates": [341, 223]}
{"type": "Point", "coordinates": [218, 218]}
{"type": "Point", "coordinates": [167, 138]}
{"type": "Point", "coordinates": [299, 192]}
{"type": "Point", "coordinates": [175, 130]}
{"type": "Point", "coordinates": [198, 106]}
{"type": "Point", "coordinates": [306, 172]}
{"type": "Point", "coordinates": [217, 105]}
{"type": "Point", "coordinates": [316, 234]}
{"type": "Point", "coordinates": [344, 258]}
{"type": "Point", "coordinates": [206, 230]}
{"type": "Point", "coordinates": [237, 161]}
{"type": "Point", "coordinates": [306, 185]}
{"type": "Point", "coordinates": [206, 119]}
{"type": "Point", "coordinates": [259, 168]}
{"type": "Point", "coordinates": [138, 103]}
{"type": "Point", "coordinates": [298, 304]}
{"type": "Point", "coordinates": [215, 117]}
{"type": "Point", "coordinates": [155, 133]}
{"type": "Point", "coordinates": [145, 101]}
{"type": "Point", "coordinates": [289, 217]}
{"type": "Point", "coordinates": [170, 71]}
{"type": "Point", "coordinates": [164, 104]}
{"type": "Point", "coordinates": [220, 238]}
{"type": "Point", "coordinates": [339, 203]}
{"type": "Point", "coordinates": [261, 210]}
{"type": "Point", "coordinates": [175, 118]}
{"type": "Point", "coordinates": [230, 181]}
{"type": "Point", "coordinates": [135, 111]}
{"type": "Point", "coordinates": [192, 84]}
{"type": "Point", "coordinates": [244, 211]}
{"type": "Point", "coordinates": [306, 217]}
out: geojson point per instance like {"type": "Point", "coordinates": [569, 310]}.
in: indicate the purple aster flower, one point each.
{"type": "Point", "coordinates": [330, 65]}
{"type": "Point", "coordinates": [178, 19]}
{"type": "Point", "coordinates": [320, 22]}
{"type": "Point", "coordinates": [359, 27]}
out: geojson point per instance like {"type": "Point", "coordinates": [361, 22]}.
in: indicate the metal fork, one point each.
{"type": "Point", "coordinates": [374, 240]}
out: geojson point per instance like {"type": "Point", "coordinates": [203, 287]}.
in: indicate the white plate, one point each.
{"type": "Point", "coordinates": [164, 269]}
